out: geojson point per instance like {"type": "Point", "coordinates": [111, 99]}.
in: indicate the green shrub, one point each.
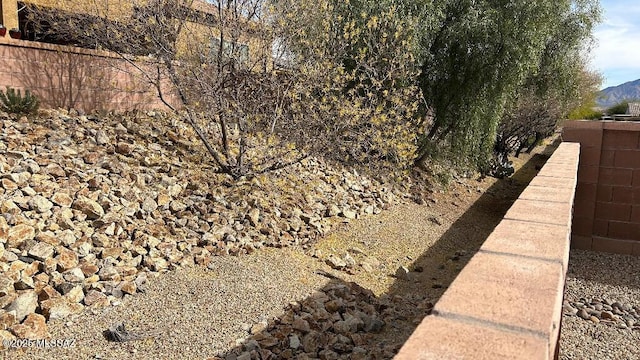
{"type": "Point", "coordinates": [619, 108]}
{"type": "Point", "coordinates": [13, 102]}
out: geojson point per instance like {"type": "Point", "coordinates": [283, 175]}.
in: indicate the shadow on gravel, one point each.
{"type": "Point", "coordinates": [627, 268]}
{"type": "Point", "coordinates": [345, 321]}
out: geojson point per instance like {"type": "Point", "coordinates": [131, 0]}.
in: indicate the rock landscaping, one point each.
{"type": "Point", "coordinates": [338, 322]}
{"type": "Point", "coordinates": [93, 206]}
{"type": "Point", "coordinates": [604, 311]}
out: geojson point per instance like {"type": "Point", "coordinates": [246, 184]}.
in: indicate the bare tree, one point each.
{"type": "Point", "coordinates": [217, 58]}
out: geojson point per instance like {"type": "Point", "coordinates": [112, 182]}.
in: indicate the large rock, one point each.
{"type": "Point", "coordinates": [102, 138]}
{"type": "Point", "coordinates": [96, 299]}
{"type": "Point", "coordinates": [33, 327]}
{"type": "Point", "coordinates": [66, 259]}
{"type": "Point", "coordinates": [109, 273]}
{"type": "Point", "coordinates": [7, 319]}
{"type": "Point", "coordinates": [24, 305]}
{"type": "Point", "coordinates": [4, 229]}
{"type": "Point", "coordinates": [40, 203]}
{"type": "Point", "coordinates": [9, 207]}
{"type": "Point", "coordinates": [74, 275]}
{"type": "Point", "coordinates": [62, 199]}
{"type": "Point", "coordinates": [59, 308]}
{"type": "Point", "coordinates": [90, 208]}
{"type": "Point", "coordinates": [6, 286]}
{"type": "Point", "coordinates": [41, 251]}
{"type": "Point", "coordinates": [19, 234]}
{"type": "Point", "coordinates": [149, 205]}
{"type": "Point", "coordinates": [55, 170]}
{"type": "Point", "coordinates": [76, 294]}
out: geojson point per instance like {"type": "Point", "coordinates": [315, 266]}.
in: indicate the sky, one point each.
{"type": "Point", "coordinates": [617, 51]}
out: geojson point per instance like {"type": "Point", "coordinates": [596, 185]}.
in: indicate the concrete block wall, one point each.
{"type": "Point", "coordinates": [506, 303]}
{"type": "Point", "coordinates": [607, 207]}
{"type": "Point", "coordinates": [69, 77]}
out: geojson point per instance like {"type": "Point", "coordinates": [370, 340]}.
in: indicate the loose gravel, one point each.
{"type": "Point", "coordinates": [607, 278]}
{"type": "Point", "coordinates": [191, 313]}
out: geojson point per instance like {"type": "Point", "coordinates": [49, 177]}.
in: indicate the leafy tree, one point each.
{"type": "Point", "coordinates": [365, 51]}
{"type": "Point", "coordinates": [560, 83]}
{"type": "Point", "coordinates": [481, 55]}
{"type": "Point", "coordinates": [619, 108]}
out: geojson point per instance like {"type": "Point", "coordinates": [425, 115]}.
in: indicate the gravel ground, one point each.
{"type": "Point", "coordinates": [192, 313]}
{"type": "Point", "coordinates": [594, 275]}
{"type": "Point", "coordinates": [199, 313]}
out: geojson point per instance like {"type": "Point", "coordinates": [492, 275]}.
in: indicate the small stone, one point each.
{"type": "Point", "coordinates": [301, 325]}
{"type": "Point", "coordinates": [348, 214]}
{"type": "Point", "coordinates": [294, 341]}
{"type": "Point", "coordinates": [120, 129]}
{"type": "Point", "coordinates": [76, 294]}
{"type": "Point", "coordinates": [55, 170]}
{"type": "Point", "coordinates": [7, 319]}
{"type": "Point", "coordinates": [6, 286]}
{"type": "Point", "coordinates": [254, 216]}
{"type": "Point", "coordinates": [311, 342]}
{"type": "Point", "coordinates": [402, 273]}
{"type": "Point", "coordinates": [359, 353]}
{"type": "Point", "coordinates": [9, 185]}
{"type": "Point", "coordinates": [109, 273]}
{"type": "Point", "coordinates": [335, 262]}
{"type": "Point", "coordinates": [594, 319]}
{"type": "Point", "coordinates": [128, 287]}
{"type": "Point", "coordinates": [349, 261]}
{"type": "Point", "coordinates": [88, 269]}
{"type": "Point", "coordinates": [332, 210]}
{"type": "Point", "coordinates": [149, 205]}
{"type": "Point", "coordinates": [124, 148]}
{"type": "Point", "coordinates": [617, 304]}
{"type": "Point", "coordinates": [177, 206]}
{"type": "Point", "coordinates": [583, 314]}
{"type": "Point", "coordinates": [327, 354]}
{"type": "Point", "coordinates": [48, 292]}
{"type": "Point", "coordinates": [259, 327]}
{"type": "Point", "coordinates": [24, 283]}
{"type": "Point", "coordinates": [569, 310]}
{"type": "Point", "coordinates": [74, 275]}
{"type": "Point", "coordinates": [607, 315]}
{"type": "Point", "coordinates": [102, 138]}
{"type": "Point", "coordinates": [374, 326]}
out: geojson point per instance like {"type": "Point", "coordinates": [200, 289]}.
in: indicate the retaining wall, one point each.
{"type": "Point", "coordinates": [69, 77]}
{"type": "Point", "coordinates": [607, 206]}
{"type": "Point", "coordinates": [506, 303]}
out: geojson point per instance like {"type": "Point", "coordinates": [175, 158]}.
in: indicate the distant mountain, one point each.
{"type": "Point", "coordinates": [615, 94]}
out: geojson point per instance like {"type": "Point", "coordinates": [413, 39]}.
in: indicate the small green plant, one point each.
{"type": "Point", "coordinates": [13, 102]}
